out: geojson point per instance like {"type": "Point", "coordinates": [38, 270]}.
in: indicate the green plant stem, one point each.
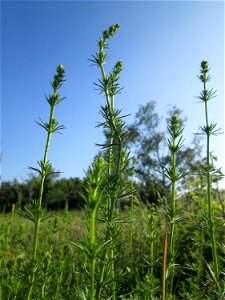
{"type": "Point", "coordinates": [208, 168]}
{"type": "Point", "coordinates": [152, 249]}
{"type": "Point", "coordinates": [200, 257]}
{"type": "Point", "coordinates": [43, 291]}
{"type": "Point", "coordinates": [108, 236]}
{"type": "Point", "coordinates": [110, 204]}
{"type": "Point", "coordinates": [101, 277]}
{"type": "Point", "coordinates": [30, 291]}
{"type": "Point", "coordinates": [173, 175]}
{"type": "Point", "coordinates": [210, 211]}
{"type": "Point", "coordinates": [49, 135]}
{"type": "Point", "coordinates": [50, 127]}
{"type": "Point", "coordinates": [106, 90]}
{"type": "Point", "coordinates": [132, 215]}
{"type": "Point", "coordinates": [93, 258]}
{"type": "Point", "coordinates": [109, 86]}
{"type": "Point", "coordinates": [152, 257]}
{"type": "Point", "coordinates": [172, 226]}
{"type": "Point", "coordinates": [38, 220]}
{"type": "Point", "coordinates": [165, 249]}
{"type": "Point", "coordinates": [200, 240]}
{"type": "Point", "coordinates": [92, 291]}
{"type": "Point", "coordinates": [41, 190]}
{"type": "Point", "coordinates": [103, 266]}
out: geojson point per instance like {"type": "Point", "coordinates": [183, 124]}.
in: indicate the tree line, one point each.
{"type": "Point", "coordinates": [147, 143]}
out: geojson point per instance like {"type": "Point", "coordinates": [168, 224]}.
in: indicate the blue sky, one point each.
{"type": "Point", "coordinates": [161, 44]}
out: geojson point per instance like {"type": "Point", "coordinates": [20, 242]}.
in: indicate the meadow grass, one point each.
{"type": "Point", "coordinates": [66, 280]}
{"type": "Point", "coordinates": [103, 252]}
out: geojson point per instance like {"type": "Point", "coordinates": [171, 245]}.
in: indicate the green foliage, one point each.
{"type": "Point", "coordinates": [57, 194]}
{"type": "Point", "coordinates": [101, 252]}
{"type": "Point", "coordinates": [67, 266]}
{"type": "Point", "coordinates": [107, 181]}
{"type": "Point", "coordinates": [208, 168]}
{"type": "Point", "coordinates": [33, 271]}
{"type": "Point", "coordinates": [147, 141]}
{"type": "Point", "coordinates": [174, 144]}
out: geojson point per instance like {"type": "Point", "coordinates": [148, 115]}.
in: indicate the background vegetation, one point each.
{"type": "Point", "coordinates": [145, 140]}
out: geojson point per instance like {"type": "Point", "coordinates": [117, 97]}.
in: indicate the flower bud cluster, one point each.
{"type": "Point", "coordinates": [110, 32]}
{"type": "Point", "coordinates": [58, 78]}
{"type": "Point", "coordinates": [204, 71]}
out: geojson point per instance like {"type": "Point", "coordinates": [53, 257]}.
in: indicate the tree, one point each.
{"type": "Point", "coordinates": [66, 192]}
{"type": "Point", "coordinates": [147, 141]}
{"type": "Point", "coordinates": [59, 192]}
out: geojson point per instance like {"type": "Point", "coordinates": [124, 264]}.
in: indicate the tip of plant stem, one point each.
{"type": "Point", "coordinates": [111, 31]}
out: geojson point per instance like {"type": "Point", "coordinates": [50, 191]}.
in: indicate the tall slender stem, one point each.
{"type": "Point", "coordinates": [164, 263]}
{"type": "Point", "coordinates": [210, 209]}
{"type": "Point", "coordinates": [93, 259]}
{"type": "Point", "coordinates": [114, 151]}
{"type": "Point", "coordinates": [50, 127]}
{"type": "Point", "coordinates": [174, 144]}
{"type": "Point", "coordinates": [209, 129]}
{"type": "Point", "coordinates": [172, 227]}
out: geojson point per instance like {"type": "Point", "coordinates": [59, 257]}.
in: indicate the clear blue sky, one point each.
{"type": "Point", "coordinates": [160, 43]}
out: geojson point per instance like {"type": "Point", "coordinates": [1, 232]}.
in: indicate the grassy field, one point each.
{"type": "Point", "coordinates": [63, 272]}
{"type": "Point", "coordinates": [174, 250]}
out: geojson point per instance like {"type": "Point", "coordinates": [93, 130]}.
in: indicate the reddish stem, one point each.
{"type": "Point", "coordinates": [165, 247]}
